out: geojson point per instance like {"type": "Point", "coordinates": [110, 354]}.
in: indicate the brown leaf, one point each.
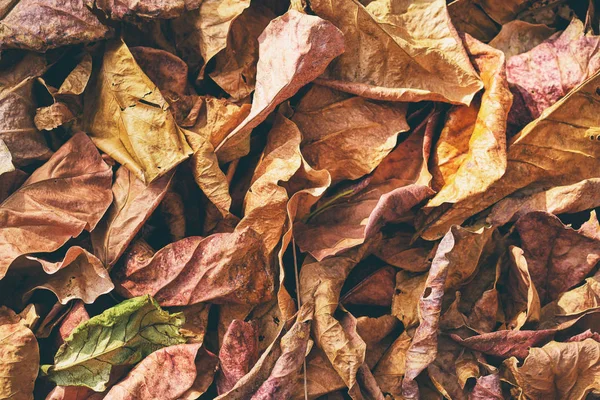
{"type": "Point", "coordinates": [79, 275]}
{"type": "Point", "coordinates": [202, 33]}
{"type": "Point", "coordinates": [555, 149]}
{"type": "Point", "coordinates": [238, 354]}
{"type": "Point", "coordinates": [147, 9]}
{"type": "Point", "coordinates": [41, 25]}
{"type": "Point", "coordinates": [19, 357]}
{"type": "Point", "coordinates": [569, 199]}
{"type": "Point", "coordinates": [206, 171]}
{"type": "Point", "coordinates": [391, 367]}
{"type": "Point", "coordinates": [557, 370]}
{"type": "Point", "coordinates": [487, 388]}
{"type": "Point", "coordinates": [128, 118]}
{"type": "Point", "coordinates": [471, 152]}
{"type": "Point", "coordinates": [385, 57]}
{"type": "Point", "coordinates": [65, 196]}
{"type": "Point", "coordinates": [222, 268]}
{"type": "Point", "coordinates": [284, 375]}
{"type": "Point", "coordinates": [346, 135]}
{"type": "Point", "coordinates": [133, 203]}
{"type": "Point", "coordinates": [235, 67]}
{"type": "Point", "coordinates": [281, 354]}
{"type": "Point", "coordinates": [550, 70]}
{"type": "Point", "coordinates": [265, 202]}
{"type": "Point", "coordinates": [51, 117]}
{"type": "Point", "coordinates": [558, 256]}
{"type": "Point", "coordinates": [310, 44]}
{"type": "Point", "coordinates": [321, 284]}
{"type": "Point", "coordinates": [449, 268]}
{"type": "Point", "coordinates": [321, 377]}
{"type": "Point", "coordinates": [376, 289]}
{"type": "Point", "coordinates": [397, 185]}
{"type": "Point", "coordinates": [167, 374]}
{"type": "Point", "coordinates": [518, 37]}
{"type": "Point", "coordinates": [468, 16]}
{"type": "Point", "coordinates": [523, 301]}
{"type": "Point", "coordinates": [506, 343]}
{"type": "Point", "coordinates": [17, 109]}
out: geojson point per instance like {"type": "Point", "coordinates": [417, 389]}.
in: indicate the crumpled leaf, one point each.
{"type": "Point", "coordinates": [19, 357]}
{"type": "Point", "coordinates": [222, 268]}
{"type": "Point", "coordinates": [556, 149]}
{"type": "Point", "coordinates": [398, 50]}
{"type": "Point", "coordinates": [17, 109]}
{"type": "Point", "coordinates": [238, 354]}
{"type": "Point", "coordinates": [567, 199]}
{"type": "Point", "coordinates": [310, 44]}
{"type": "Point", "coordinates": [523, 303]}
{"type": "Point", "coordinates": [235, 67]}
{"type": "Point", "coordinates": [391, 367]}
{"type": "Point", "coordinates": [506, 343]}
{"type": "Point", "coordinates": [41, 25]}
{"type": "Point", "coordinates": [265, 202]}
{"type": "Point", "coordinates": [377, 289]}
{"type": "Point", "coordinates": [518, 37]}
{"type": "Point", "coordinates": [346, 135]}
{"type": "Point", "coordinates": [53, 116]}
{"type": "Point", "coordinates": [121, 335]}
{"type": "Point", "coordinates": [123, 9]}
{"type": "Point", "coordinates": [452, 265]}
{"type": "Point", "coordinates": [168, 374]}
{"type": "Point", "coordinates": [133, 203]}
{"type": "Point", "coordinates": [550, 70]}
{"type": "Point", "coordinates": [471, 152]}
{"type": "Point", "coordinates": [61, 199]}
{"type": "Point", "coordinates": [80, 275]}
{"type": "Point", "coordinates": [202, 33]}
{"type": "Point", "coordinates": [487, 388]}
{"type": "Point", "coordinates": [128, 118]}
{"type": "Point", "coordinates": [558, 257]}
{"type": "Point", "coordinates": [280, 359]}
{"type": "Point", "coordinates": [398, 184]}
{"type": "Point", "coordinates": [557, 370]}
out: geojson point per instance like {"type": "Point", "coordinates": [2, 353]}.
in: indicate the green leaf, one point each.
{"type": "Point", "coordinates": [121, 335]}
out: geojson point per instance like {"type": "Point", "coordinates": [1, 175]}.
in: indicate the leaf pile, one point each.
{"type": "Point", "coordinates": [288, 199]}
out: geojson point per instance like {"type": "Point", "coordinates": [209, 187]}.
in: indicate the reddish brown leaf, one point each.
{"type": "Point", "coordinates": [310, 44]}
{"type": "Point", "coordinates": [61, 199]}
{"type": "Point", "coordinates": [238, 354]}
{"type": "Point", "coordinates": [222, 268]}
{"type": "Point", "coordinates": [506, 343]}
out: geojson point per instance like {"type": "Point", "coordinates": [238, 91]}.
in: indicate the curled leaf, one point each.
{"type": "Point", "coordinates": [385, 56]}
{"type": "Point", "coordinates": [310, 44]}
{"type": "Point", "coordinates": [61, 199]}
{"type": "Point", "coordinates": [19, 357]}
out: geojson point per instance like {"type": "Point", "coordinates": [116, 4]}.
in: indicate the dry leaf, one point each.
{"type": "Point", "coordinates": [222, 268]}
{"type": "Point", "coordinates": [133, 203]}
{"type": "Point", "coordinates": [202, 33]}
{"type": "Point", "coordinates": [506, 343]}
{"type": "Point", "coordinates": [67, 195]}
{"type": "Point", "coordinates": [487, 388]}
{"type": "Point", "coordinates": [346, 135]}
{"type": "Point", "coordinates": [310, 44]}
{"type": "Point", "coordinates": [559, 148]}
{"type": "Point", "coordinates": [123, 9]}
{"type": "Point", "coordinates": [396, 186]}
{"type": "Point", "coordinates": [523, 303]}
{"type": "Point", "coordinates": [235, 67]}
{"type": "Point", "coordinates": [518, 37]}
{"type": "Point", "coordinates": [167, 374]}
{"type": "Point", "coordinates": [398, 50]}
{"type": "Point", "coordinates": [558, 257]}
{"type": "Point", "coordinates": [17, 108]}
{"type": "Point", "coordinates": [41, 25]}
{"type": "Point", "coordinates": [557, 370]}
{"type": "Point", "coordinates": [79, 275]}
{"type": "Point", "coordinates": [144, 137]}
{"type": "Point", "coordinates": [550, 70]}
{"type": "Point", "coordinates": [471, 152]}
{"type": "Point", "coordinates": [238, 354]}
{"type": "Point", "coordinates": [19, 357]}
